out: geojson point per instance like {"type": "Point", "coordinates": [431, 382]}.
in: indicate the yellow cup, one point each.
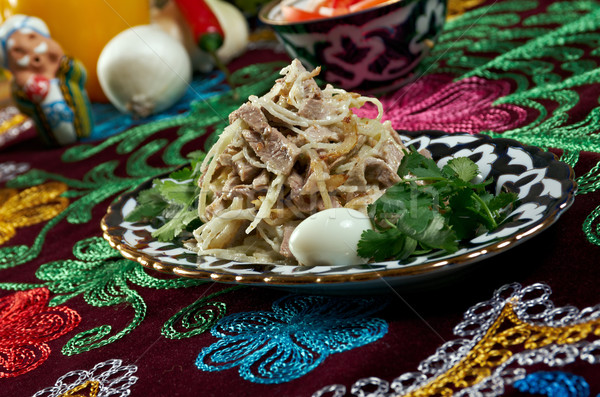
{"type": "Point", "coordinates": [83, 27]}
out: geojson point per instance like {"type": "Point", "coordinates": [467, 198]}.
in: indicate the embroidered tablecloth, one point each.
{"type": "Point", "coordinates": [77, 318]}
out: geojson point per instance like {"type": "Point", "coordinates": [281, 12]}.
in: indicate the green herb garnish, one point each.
{"type": "Point", "coordinates": [173, 199]}
{"type": "Point", "coordinates": [431, 209]}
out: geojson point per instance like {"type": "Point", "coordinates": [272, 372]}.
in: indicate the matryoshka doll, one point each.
{"type": "Point", "coordinates": [47, 85]}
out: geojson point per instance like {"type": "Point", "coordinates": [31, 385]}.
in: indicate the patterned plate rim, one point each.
{"type": "Point", "coordinates": [113, 235]}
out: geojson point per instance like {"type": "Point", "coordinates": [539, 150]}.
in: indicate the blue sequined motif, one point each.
{"type": "Point", "coordinates": [554, 384]}
{"type": "Point", "coordinates": [293, 339]}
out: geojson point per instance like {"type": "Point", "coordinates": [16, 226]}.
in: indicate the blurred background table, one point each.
{"type": "Point", "coordinates": [76, 318]}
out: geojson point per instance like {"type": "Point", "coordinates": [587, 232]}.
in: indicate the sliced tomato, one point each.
{"type": "Point", "coordinates": [294, 14]}
{"type": "Point", "coordinates": [364, 4]}
{"type": "Point", "coordinates": [341, 4]}
{"type": "Point", "coordinates": [326, 8]}
{"type": "Point", "coordinates": [332, 12]}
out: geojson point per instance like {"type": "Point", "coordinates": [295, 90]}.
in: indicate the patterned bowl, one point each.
{"type": "Point", "coordinates": [369, 51]}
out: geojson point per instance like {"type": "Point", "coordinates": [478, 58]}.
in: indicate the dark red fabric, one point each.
{"type": "Point", "coordinates": [419, 322]}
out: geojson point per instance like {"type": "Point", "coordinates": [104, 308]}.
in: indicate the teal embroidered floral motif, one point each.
{"type": "Point", "coordinates": [293, 339]}
{"type": "Point", "coordinates": [554, 384]}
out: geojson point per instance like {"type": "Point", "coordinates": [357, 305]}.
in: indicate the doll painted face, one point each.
{"type": "Point", "coordinates": [31, 53]}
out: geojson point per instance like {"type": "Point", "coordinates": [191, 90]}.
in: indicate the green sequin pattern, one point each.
{"type": "Point", "coordinates": [550, 53]}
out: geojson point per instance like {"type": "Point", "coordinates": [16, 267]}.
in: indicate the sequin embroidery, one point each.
{"type": "Point", "coordinates": [499, 338]}
{"type": "Point", "coordinates": [29, 207]}
{"type": "Point", "coordinates": [554, 384]}
{"type": "Point", "coordinates": [293, 339]}
{"type": "Point", "coordinates": [26, 325]}
{"type": "Point", "coordinates": [434, 102]}
{"type": "Point", "coordinates": [108, 378]}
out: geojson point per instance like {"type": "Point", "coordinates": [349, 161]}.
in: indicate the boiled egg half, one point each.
{"type": "Point", "coordinates": [330, 238]}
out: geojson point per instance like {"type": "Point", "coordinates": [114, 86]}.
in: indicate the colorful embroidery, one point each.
{"type": "Point", "coordinates": [458, 7]}
{"type": "Point", "coordinates": [26, 325]}
{"type": "Point", "coordinates": [196, 318]}
{"type": "Point", "coordinates": [88, 389]}
{"type": "Point", "coordinates": [10, 170]}
{"type": "Point", "coordinates": [108, 378]}
{"type": "Point", "coordinates": [14, 126]}
{"type": "Point", "coordinates": [554, 384]}
{"type": "Point", "coordinates": [102, 276]}
{"type": "Point", "coordinates": [518, 327]}
{"type": "Point", "coordinates": [29, 207]}
{"type": "Point", "coordinates": [293, 339]}
{"type": "Point", "coordinates": [434, 102]}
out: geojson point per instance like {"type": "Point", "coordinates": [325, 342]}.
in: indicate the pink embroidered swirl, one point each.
{"type": "Point", "coordinates": [435, 102]}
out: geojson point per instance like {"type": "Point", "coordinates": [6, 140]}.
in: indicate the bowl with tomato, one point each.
{"type": "Point", "coordinates": [368, 46]}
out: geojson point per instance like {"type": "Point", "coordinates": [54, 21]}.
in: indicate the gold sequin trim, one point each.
{"type": "Point", "coordinates": [87, 389]}
{"type": "Point", "coordinates": [458, 7]}
{"type": "Point", "coordinates": [507, 336]}
{"type": "Point", "coordinates": [29, 207]}
{"type": "Point", "coordinates": [14, 121]}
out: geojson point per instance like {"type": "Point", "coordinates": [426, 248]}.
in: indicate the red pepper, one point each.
{"type": "Point", "coordinates": [205, 26]}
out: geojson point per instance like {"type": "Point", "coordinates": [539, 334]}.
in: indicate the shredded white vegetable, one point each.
{"type": "Point", "coordinates": [240, 223]}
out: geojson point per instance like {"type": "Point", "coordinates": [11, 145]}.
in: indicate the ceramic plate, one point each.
{"type": "Point", "coordinates": [545, 187]}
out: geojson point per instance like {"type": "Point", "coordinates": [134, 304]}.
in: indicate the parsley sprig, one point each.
{"type": "Point", "coordinates": [431, 208]}
{"type": "Point", "coordinates": [174, 199]}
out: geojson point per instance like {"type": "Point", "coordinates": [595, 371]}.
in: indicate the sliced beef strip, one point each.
{"type": "Point", "coordinates": [225, 159]}
{"type": "Point", "coordinates": [215, 207]}
{"type": "Point", "coordinates": [356, 176]}
{"type": "Point", "coordinates": [310, 185]}
{"type": "Point", "coordinates": [252, 115]}
{"type": "Point", "coordinates": [245, 170]}
{"type": "Point", "coordinates": [313, 109]}
{"type": "Point", "coordinates": [311, 88]}
{"type": "Point", "coordinates": [371, 170]}
{"type": "Point", "coordinates": [380, 171]}
{"type": "Point", "coordinates": [335, 203]}
{"type": "Point", "coordinates": [316, 133]}
{"type": "Point", "coordinates": [261, 182]}
{"type": "Point", "coordinates": [273, 149]}
{"type": "Point", "coordinates": [244, 191]}
{"type": "Point", "coordinates": [391, 154]}
{"type": "Point", "coordinates": [295, 181]}
{"type": "Point", "coordinates": [305, 204]}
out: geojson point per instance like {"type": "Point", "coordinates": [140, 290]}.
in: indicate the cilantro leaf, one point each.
{"type": "Point", "coordinates": [462, 168]}
{"type": "Point", "coordinates": [176, 224]}
{"type": "Point", "coordinates": [431, 208]}
{"type": "Point", "coordinates": [398, 198]}
{"type": "Point", "coordinates": [182, 174]}
{"type": "Point", "coordinates": [435, 234]}
{"type": "Point", "coordinates": [380, 245]}
{"type": "Point", "coordinates": [173, 199]}
{"type": "Point", "coordinates": [150, 204]}
{"type": "Point", "coordinates": [177, 192]}
{"type": "Point", "coordinates": [418, 165]}
{"type": "Point", "coordinates": [502, 200]}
